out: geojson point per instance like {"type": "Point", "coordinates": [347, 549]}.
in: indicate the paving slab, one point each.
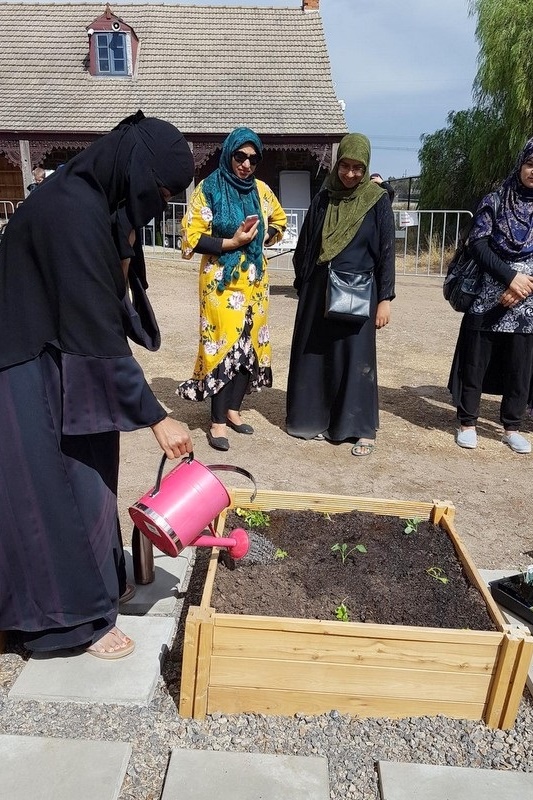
{"type": "Point", "coordinates": [201, 774]}
{"type": "Point", "coordinates": [163, 595]}
{"type": "Point", "coordinates": [406, 781]}
{"type": "Point", "coordinates": [489, 575]}
{"type": "Point", "coordinates": [82, 678]}
{"type": "Point", "coordinates": [43, 768]}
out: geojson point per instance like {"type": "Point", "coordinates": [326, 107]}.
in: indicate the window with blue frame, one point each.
{"type": "Point", "coordinates": [111, 53]}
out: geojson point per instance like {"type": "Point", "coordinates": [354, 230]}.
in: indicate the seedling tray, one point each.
{"type": "Point", "coordinates": [514, 594]}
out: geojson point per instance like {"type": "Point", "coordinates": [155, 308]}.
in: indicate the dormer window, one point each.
{"type": "Point", "coordinates": [112, 46]}
{"type": "Point", "coordinates": [112, 53]}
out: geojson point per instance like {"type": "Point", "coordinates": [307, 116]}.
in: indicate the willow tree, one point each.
{"type": "Point", "coordinates": [504, 80]}
{"type": "Point", "coordinates": [449, 176]}
{"type": "Point", "coordinates": [477, 149]}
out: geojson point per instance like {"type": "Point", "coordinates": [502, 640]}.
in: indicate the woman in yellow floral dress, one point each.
{"type": "Point", "coordinates": [234, 353]}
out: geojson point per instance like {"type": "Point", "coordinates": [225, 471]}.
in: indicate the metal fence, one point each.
{"type": "Point", "coordinates": [425, 240]}
{"type": "Point", "coordinates": [6, 210]}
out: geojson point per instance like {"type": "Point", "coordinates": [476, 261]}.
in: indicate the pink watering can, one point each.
{"type": "Point", "coordinates": [184, 503]}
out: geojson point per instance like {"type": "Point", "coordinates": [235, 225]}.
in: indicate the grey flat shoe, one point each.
{"type": "Point", "coordinates": [467, 439]}
{"type": "Point", "coordinates": [517, 442]}
{"type": "Point", "coordinates": [242, 428]}
{"type": "Point", "coordinates": [217, 442]}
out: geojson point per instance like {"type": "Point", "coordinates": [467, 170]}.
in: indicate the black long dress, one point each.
{"type": "Point", "coordinates": [69, 382]}
{"type": "Point", "coordinates": [332, 385]}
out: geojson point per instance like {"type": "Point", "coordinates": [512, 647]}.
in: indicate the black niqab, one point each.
{"type": "Point", "coordinates": [61, 279]}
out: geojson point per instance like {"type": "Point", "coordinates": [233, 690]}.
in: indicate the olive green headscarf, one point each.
{"type": "Point", "coordinates": [347, 207]}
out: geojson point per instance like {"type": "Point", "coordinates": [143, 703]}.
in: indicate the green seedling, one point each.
{"type": "Point", "coordinates": [342, 612]}
{"type": "Point", "coordinates": [438, 574]}
{"type": "Point", "coordinates": [342, 549]}
{"type": "Point", "coordinates": [411, 525]}
{"type": "Point", "coordinates": [253, 518]}
{"type": "Point", "coordinates": [280, 554]}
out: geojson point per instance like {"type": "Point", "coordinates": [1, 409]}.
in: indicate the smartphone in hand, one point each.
{"type": "Point", "coordinates": [249, 222]}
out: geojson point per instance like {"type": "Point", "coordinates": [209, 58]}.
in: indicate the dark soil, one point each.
{"type": "Point", "coordinates": [387, 584]}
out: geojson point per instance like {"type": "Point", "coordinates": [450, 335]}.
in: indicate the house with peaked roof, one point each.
{"type": "Point", "coordinates": [70, 72]}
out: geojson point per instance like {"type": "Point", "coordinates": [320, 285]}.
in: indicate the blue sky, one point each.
{"type": "Point", "coordinates": [400, 66]}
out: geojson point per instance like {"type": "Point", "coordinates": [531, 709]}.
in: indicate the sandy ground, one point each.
{"type": "Point", "coordinates": [415, 458]}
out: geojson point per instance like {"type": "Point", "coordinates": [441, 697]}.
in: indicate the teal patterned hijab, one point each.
{"type": "Point", "coordinates": [232, 199]}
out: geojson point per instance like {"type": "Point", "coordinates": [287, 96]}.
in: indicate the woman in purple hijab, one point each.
{"type": "Point", "coordinates": [494, 351]}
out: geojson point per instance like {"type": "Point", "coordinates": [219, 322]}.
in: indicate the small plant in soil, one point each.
{"type": "Point", "coordinates": [411, 525]}
{"type": "Point", "coordinates": [342, 549]}
{"type": "Point", "coordinates": [280, 554]}
{"type": "Point", "coordinates": [438, 574]}
{"type": "Point", "coordinates": [342, 612]}
{"type": "Point", "coordinates": [253, 518]}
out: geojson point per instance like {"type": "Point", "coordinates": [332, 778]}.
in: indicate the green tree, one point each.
{"type": "Point", "coordinates": [449, 177]}
{"type": "Point", "coordinates": [477, 149]}
{"type": "Point", "coordinates": [505, 73]}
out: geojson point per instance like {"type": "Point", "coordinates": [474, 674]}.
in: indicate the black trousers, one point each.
{"type": "Point", "coordinates": [514, 353]}
{"type": "Point", "coordinates": [229, 397]}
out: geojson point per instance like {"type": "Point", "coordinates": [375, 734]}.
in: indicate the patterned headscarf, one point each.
{"type": "Point", "coordinates": [347, 207]}
{"type": "Point", "coordinates": [231, 200]}
{"type": "Point", "coordinates": [511, 228]}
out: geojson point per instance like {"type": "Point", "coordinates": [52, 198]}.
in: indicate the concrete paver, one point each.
{"type": "Point", "coordinates": [406, 781]}
{"type": "Point", "coordinates": [43, 768]}
{"type": "Point", "coordinates": [83, 678]}
{"type": "Point", "coordinates": [161, 596]}
{"type": "Point", "coordinates": [198, 774]}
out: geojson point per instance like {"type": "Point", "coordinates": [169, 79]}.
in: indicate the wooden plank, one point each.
{"type": "Point", "coordinates": [473, 574]}
{"type": "Point", "coordinates": [364, 629]}
{"type": "Point", "coordinates": [441, 510]}
{"type": "Point", "coordinates": [497, 696]}
{"type": "Point", "coordinates": [329, 503]}
{"type": "Point", "coordinates": [520, 672]}
{"type": "Point", "coordinates": [239, 700]}
{"type": "Point", "coordinates": [203, 666]}
{"type": "Point", "coordinates": [368, 651]}
{"type": "Point", "coordinates": [359, 680]}
{"type": "Point", "coordinates": [189, 660]}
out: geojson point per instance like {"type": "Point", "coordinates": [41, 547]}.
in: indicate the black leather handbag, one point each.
{"type": "Point", "coordinates": [348, 295]}
{"type": "Point", "coordinates": [464, 277]}
{"type": "Point", "coordinates": [463, 280]}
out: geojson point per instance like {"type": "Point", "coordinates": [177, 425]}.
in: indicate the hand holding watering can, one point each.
{"type": "Point", "coordinates": [172, 438]}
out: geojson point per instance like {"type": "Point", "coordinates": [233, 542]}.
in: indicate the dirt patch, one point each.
{"type": "Point", "coordinates": [377, 572]}
{"type": "Point", "coordinates": [416, 457]}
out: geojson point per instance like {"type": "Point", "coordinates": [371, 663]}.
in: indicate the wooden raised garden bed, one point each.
{"type": "Point", "coordinates": [238, 663]}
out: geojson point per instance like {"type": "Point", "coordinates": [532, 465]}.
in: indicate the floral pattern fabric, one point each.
{"type": "Point", "coordinates": [519, 318]}
{"type": "Point", "coordinates": [233, 321]}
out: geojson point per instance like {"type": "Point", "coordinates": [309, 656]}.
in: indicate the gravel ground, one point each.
{"type": "Point", "coordinates": [351, 745]}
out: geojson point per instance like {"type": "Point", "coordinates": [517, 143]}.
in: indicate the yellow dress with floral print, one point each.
{"type": "Point", "coordinates": [234, 321]}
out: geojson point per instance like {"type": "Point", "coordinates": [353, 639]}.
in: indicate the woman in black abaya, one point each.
{"type": "Point", "coordinates": [332, 390]}
{"type": "Point", "coordinates": [72, 291]}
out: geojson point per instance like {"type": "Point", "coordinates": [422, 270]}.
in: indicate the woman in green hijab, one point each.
{"type": "Point", "coordinates": [332, 390]}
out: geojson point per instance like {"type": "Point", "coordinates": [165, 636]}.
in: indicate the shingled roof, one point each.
{"type": "Point", "coordinates": [204, 68]}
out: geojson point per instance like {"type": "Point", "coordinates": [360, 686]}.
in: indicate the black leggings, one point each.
{"type": "Point", "coordinates": [229, 397]}
{"type": "Point", "coordinates": [515, 351]}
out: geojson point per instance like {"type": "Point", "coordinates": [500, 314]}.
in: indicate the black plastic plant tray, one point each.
{"type": "Point", "coordinates": [514, 594]}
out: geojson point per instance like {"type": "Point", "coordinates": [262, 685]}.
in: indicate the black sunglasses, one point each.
{"type": "Point", "coordinates": [240, 157]}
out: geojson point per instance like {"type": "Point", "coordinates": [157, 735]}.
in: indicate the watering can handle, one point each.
{"type": "Point", "coordinates": [240, 470]}
{"type": "Point", "coordinates": [190, 457]}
